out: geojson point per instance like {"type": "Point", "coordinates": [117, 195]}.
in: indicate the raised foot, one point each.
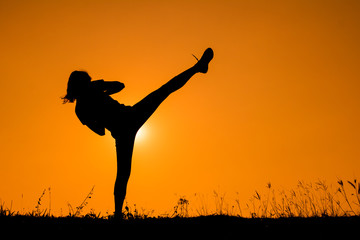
{"type": "Point", "coordinates": [203, 63]}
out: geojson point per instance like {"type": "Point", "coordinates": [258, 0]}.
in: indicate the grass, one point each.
{"type": "Point", "coordinates": [309, 208]}
{"type": "Point", "coordinates": [306, 200]}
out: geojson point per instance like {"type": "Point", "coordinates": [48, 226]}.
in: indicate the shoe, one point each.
{"type": "Point", "coordinates": [204, 61]}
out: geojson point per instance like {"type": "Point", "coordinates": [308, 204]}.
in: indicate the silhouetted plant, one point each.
{"type": "Point", "coordinates": [92, 214]}
{"type": "Point", "coordinates": [38, 212]}
{"type": "Point", "coordinates": [79, 208]}
{"type": "Point", "coordinates": [219, 202]}
{"type": "Point", "coordinates": [6, 212]}
{"type": "Point", "coordinates": [181, 208]}
{"type": "Point", "coordinates": [307, 200]}
{"type": "Point", "coordinates": [135, 213]}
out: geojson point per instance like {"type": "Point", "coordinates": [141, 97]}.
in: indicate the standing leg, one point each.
{"type": "Point", "coordinates": [124, 150]}
{"type": "Point", "coordinates": [146, 107]}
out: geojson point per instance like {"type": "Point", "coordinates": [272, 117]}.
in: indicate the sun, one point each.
{"type": "Point", "coordinates": [141, 134]}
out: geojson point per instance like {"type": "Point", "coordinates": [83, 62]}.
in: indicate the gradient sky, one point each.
{"type": "Point", "coordinates": [279, 104]}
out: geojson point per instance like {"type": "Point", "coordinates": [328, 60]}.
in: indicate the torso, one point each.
{"type": "Point", "coordinates": [97, 105]}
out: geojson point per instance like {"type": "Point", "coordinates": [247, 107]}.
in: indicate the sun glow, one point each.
{"type": "Point", "coordinates": [141, 134]}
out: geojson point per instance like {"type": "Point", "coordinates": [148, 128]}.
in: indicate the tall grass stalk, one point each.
{"type": "Point", "coordinates": [305, 200]}
{"type": "Point", "coordinates": [83, 204]}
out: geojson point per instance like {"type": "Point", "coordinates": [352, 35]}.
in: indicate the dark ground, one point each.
{"type": "Point", "coordinates": [213, 227]}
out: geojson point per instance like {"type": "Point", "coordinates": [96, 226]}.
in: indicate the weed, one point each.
{"type": "Point", "coordinates": [6, 212]}
{"type": "Point", "coordinates": [219, 202]}
{"type": "Point", "coordinates": [305, 200]}
{"type": "Point", "coordinates": [237, 201]}
{"type": "Point", "coordinates": [181, 208]}
{"type": "Point", "coordinates": [202, 210]}
{"type": "Point", "coordinates": [38, 212]}
{"type": "Point", "coordinates": [79, 209]}
{"type": "Point", "coordinates": [135, 213]}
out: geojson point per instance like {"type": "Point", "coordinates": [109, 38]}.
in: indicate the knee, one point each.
{"type": "Point", "coordinates": [165, 90]}
{"type": "Point", "coordinates": [121, 183]}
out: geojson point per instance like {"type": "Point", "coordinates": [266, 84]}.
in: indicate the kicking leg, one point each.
{"type": "Point", "coordinates": [141, 112]}
{"type": "Point", "coordinates": [146, 107]}
{"type": "Point", "coordinates": [125, 142]}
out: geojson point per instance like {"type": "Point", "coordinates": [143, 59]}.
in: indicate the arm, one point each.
{"type": "Point", "coordinates": [109, 87]}
{"type": "Point", "coordinates": [113, 87]}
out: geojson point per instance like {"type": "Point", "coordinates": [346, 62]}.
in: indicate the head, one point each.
{"type": "Point", "coordinates": [78, 82]}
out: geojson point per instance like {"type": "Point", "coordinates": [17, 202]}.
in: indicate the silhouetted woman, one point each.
{"type": "Point", "coordinates": [97, 110]}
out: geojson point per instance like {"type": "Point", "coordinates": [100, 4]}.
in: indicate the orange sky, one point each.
{"type": "Point", "coordinates": [280, 102]}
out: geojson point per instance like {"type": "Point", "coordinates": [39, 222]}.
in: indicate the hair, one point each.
{"type": "Point", "coordinates": [78, 81]}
